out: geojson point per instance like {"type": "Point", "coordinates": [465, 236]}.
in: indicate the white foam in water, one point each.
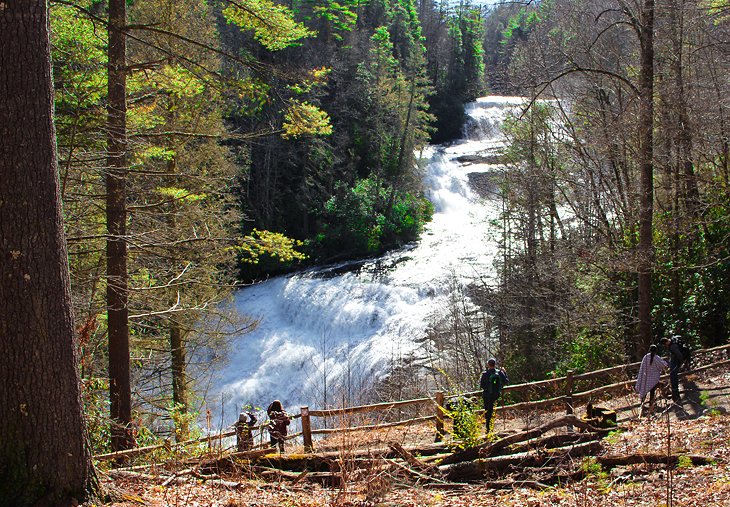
{"type": "Point", "coordinates": [318, 326]}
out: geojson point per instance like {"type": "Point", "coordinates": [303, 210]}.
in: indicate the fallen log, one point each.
{"type": "Point", "coordinates": [416, 473]}
{"type": "Point", "coordinates": [233, 461]}
{"type": "Point", "coordinates": [635, 459]}
{"type": "Point", "coordinates": [490, 449]}
{"type": "Point", "coordinates": [331, 460]}
{"type": "Point", "coordinates": [551, 442]}
{"type": "Point", "coordinates": [499, 465]}
{"type": "Point", "coordinates": [414, 462]}
{"type": "Point", "coordinates": [128, 474]}
{"type": "Point", "coordinates": [167, 445]}
{"type": "Point", "coordinates": [506, 484]}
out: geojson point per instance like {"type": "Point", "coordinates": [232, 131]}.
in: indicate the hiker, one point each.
{"type": "Point", "coordinates": [649, 372]}
{"type": "Point", "coordinates": [278, 421]}
{"type": "Point", "coordinates": [676, 359]}
{"type": "Point", "coordinates": [491, 382]}
{"type": "Point", "coordinates": [244, 436]}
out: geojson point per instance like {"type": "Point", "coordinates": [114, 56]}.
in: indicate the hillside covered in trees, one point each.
{"type": "Point", "coordinates": [197, 146]}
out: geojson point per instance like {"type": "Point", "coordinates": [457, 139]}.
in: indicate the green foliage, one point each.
{"type": "Point", "coordinates": [590, 351]}
{"type": "Point", "coordinates": [684, 462]}
{"type": "Point", "coordinates": [272, 23]}
{"type": "Point", "coordinates": [304, 119]}
{"type": "Point", "coordinates": [694, 301]}
{"type": "Point", "coordinates": [369, 217]}
{"type": "Point", "coordinates": [79, 59]}
{"type": "Point", "coordinates": [184, 421]}
{"type": "Point", "coordinates": [614, 437]}
{"type": "Point", "coordinates": [341, 16]}
{"type": "Point", "coordinates": [95, 399]}
{"type": "Point", "coordinates": [266, 244]}
{"type": "Point", "coordinates": [520, 25]}
{"type": "Point", "coordinates": [466, 424]}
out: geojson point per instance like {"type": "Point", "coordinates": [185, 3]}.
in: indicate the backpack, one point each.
{"type": "Point", "coordinates": [684, 349]}
{"type": "Point", "coordinates": [492, 384]}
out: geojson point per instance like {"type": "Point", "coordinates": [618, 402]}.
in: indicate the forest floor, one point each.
{"type": "Point", "coordinates": [701, 426]}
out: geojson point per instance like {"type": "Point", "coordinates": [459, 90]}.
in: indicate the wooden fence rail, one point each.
{"type": "Point", "coordinates": [439, 403]}
{"type": "Point", "coordinates": [568, 399]}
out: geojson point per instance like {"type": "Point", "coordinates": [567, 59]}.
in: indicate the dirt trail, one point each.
{"type": "Point", "coordinates": [701, 393]}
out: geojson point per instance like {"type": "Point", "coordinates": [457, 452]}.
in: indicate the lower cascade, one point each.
{"type": "Point", "coordinates": [327, 336]}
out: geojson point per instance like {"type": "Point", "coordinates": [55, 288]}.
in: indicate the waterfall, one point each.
{"type": "Point", "coordinates": [352, 320]}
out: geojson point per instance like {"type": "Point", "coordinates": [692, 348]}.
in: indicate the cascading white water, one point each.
{"type": "Point", "coordinates": [350, 321]}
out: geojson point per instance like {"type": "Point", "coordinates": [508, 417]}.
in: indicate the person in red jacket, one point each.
{"type": "Point", "coordinates": [278, 421]}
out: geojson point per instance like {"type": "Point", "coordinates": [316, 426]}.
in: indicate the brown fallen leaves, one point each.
{"type": "Point", "coordinates": [635, 485]}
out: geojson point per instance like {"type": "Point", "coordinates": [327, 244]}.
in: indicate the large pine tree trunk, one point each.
{"type": "Point", "coordinates": [44, 458]}
{"type": "Point", "coordinates": [116, 216]}
{"type": "Point", "coordinates": [646, 159]}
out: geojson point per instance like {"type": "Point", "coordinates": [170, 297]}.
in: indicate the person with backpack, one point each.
{"type": "Point", "coordinates": [278, 421]}
{"type": "Point", "coordinates": [677, 358]}
{"type": "Point", "coordinates": [649, 373]}
{"type": "Point", "coordinates": [491, 382]}
{"type": "Point", "coordinates": [244, 433]}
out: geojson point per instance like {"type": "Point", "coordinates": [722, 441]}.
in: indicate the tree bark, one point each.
{"type": "Point", "coordinates": [179, 389]}
{"type": "Point", "coordinates": [120, 396]}
{"type": "Point", "coordinates": [646, 160]}
{"type": "Point", "coordinates": [44, 455]}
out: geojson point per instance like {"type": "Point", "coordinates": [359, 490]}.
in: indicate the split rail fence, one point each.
{"type": "Point", "coordinates": [562, 391]}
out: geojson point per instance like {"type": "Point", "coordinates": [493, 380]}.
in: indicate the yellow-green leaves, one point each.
{"type": "Point", "coordinates": [180, 194]}
{"type": "Point", "coordinates": [304, 119]}
{"type": "Point", "coordinates": [317, 77]}
{"type": "Point", "coordinates": [271, 244]}
{"type": "Point", "coordinates": [272, 24]}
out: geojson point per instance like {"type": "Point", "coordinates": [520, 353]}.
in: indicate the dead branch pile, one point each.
{"type": "Point", "coordinates": [532, 458]}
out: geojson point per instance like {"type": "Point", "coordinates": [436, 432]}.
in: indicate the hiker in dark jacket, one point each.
{"type": "Point", "coordinates": [676, 359]}
{"type": "Point", "coordinates": [491, 383]}
{"type": "Point", "coordinates": [278, 421]}
{"type": "Point", "coordinates": [244, 434]}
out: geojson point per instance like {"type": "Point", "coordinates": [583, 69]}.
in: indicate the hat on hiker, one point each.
{"type": "Point", "coordinates": [492, 362]}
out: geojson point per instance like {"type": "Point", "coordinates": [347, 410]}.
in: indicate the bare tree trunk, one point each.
{"type": "Point", "coordinates": [116, 217]}
{"type": "Point", "coordinates": [44, 455]}
{"type": "Point", "coordinates": [646, 159]}
{"type": "Point", "coordinates": [690, 192]}
{"type": "Point", "coordinates": [179, 388]}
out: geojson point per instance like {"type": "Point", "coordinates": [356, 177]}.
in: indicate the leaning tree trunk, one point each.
{"type": "Point", "coordinates": [44, 456]}
{"type": "Point", "coordinates": [120, 397]}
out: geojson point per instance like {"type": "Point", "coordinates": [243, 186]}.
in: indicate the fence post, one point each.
{"type": "Point", "coordinates": [569, 396]}
{"type": "Point", "coordinates": [306, 430]}
{"type": "Point", "coordinates": [439, 416]}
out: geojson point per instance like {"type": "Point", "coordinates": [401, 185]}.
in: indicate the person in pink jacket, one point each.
{"type": "Point", "coordinates": [649, 373]}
